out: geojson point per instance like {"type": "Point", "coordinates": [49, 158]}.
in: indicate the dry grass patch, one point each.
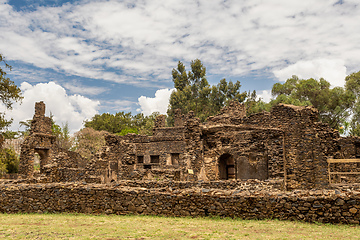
{"type": "Point", "coordinates": [79, 226]}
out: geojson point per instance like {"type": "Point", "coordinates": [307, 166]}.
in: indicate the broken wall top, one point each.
{"type": "Point", "coordinates": [235, 110]}
{"type": "Point", "coordinates": [40, 123]}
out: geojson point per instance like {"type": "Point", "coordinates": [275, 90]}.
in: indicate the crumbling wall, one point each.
{"type": "Point", "coordinates": [327, 206]}
{"type": "Point", "coordinates": [146, 157]}
{"type": "Point", "coordinates": [346, 148]}
{"type": "Point", "coordinates": [307, 143]}
{"type": "Point", "coordinates": [194, 148]}
{"type": "Point", "coordinates": [56, 164]}
{"type": "Point", "coordinates": [234, 112]}
{"type": "Point", "coordinates": [40, 140]}
{"type": "Point", "coordinates": [254, 151]}
{"type": "Point", "coordinates": [302, 144]}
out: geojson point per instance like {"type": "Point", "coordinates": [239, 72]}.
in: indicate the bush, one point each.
{"type": "Point", "coordinates": [9, 161]}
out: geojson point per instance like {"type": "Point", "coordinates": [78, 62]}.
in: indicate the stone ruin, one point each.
{"type": "Point", "coordinates": [288, 144]}
{"type": "Point", "coordinates": [41, 143]}
{"type": "Point", "coordinates": [282, 164]}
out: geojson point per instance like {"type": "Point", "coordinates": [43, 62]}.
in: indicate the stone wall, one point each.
{"type": "Point", "coordinates": [54, 161]}
{"type": "Point", "coordinates": [256, 152]}
{"type": "Point", "coordinates": [333, 206]}
{"type": "Point", "coordinates": [307, 143]}
{"type": "Point", "coordinates": [287, 143]}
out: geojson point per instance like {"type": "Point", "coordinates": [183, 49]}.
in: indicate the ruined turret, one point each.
{"type": "Point", "coordinates": [40, 141]}
{"type": "Point", "coordinates": [40, 123]}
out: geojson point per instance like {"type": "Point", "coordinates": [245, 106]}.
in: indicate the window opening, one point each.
{"type": "Point", "coordinates": [140, 159]}
{"type": "Point", "coordinates": [175, 157]}
{"type": "Point", "coordinates": [147, 166]}
{"type": "Point", "coordinates": [154, 159]}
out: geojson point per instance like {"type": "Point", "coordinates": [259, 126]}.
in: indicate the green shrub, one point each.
{"type": "Point", "coordinates": [9, 161]}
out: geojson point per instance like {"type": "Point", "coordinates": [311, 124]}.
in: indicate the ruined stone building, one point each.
{"type": "Point", "coordinates": [42, 143]}
{"type": "Point", "coordinates": [287, 143]}
{"type": "Point", "coordinates": [233, 165]}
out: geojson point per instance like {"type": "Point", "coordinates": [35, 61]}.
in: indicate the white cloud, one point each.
{"type": "Point", "coordinates": [265, 95]}
{"type": "Point", "coordinates": [71, 109]}
{"type": "Point", "coordinates": [159, 103]}
{"type": "Point", "coordinates": [332, 70]}
{"type": "Point", "coordinates": [136, 42]}
{"type": "Point", "coordinates": [82, 89]}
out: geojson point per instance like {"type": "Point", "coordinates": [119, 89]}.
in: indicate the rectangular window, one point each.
{"type": "Point", "coordinates": [147, 166]}
{"type": "Point", "coordinates": [140, 159]}
{"type": "Point", "coordinates": [154, 159]}
{"type": "Point", "coordinates": [175, 157]}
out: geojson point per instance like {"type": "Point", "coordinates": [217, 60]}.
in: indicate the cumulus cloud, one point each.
{"type": "Point", "coordinates": [333, 70]}
{"type": "Point", "coordinates": [71, 109]}
{"type": "Point", "coordinates": [265, 95]}
{"type": "Point", "coordinates": [82, 89]}
{"type": "Point", "coordinates": [159, 103]}
{"type": "Point", "coordinates": [139, 41]}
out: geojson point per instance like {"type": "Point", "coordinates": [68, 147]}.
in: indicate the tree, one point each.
{"type": "Point", "coordinates": [122, 123]}
{"type": "Point", "coordinates": [9, 161]}
{"type": "Point", "coordinates": [334, 104]}
{"type": "Point", "coordinates": [9, 93]}
{"type": "Point", "coordinates": [62, 134]}
{"type": "Point", "coordinates": [254, 104]}
{"type": "Point", "coordinates": [88, 142]}
{"type": "Point", "coordinates": [194, 93]}
{"type": "Point", "coordinates": [352, 84]}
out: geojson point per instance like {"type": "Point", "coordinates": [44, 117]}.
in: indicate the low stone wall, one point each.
{"type": "Point", "coordinates": [9, 176]}
{"type": "Point", "coordinates": [250, 184]}
{"type": "Point", "coordinates": [334, 206]}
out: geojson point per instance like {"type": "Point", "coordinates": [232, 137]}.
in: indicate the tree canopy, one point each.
{"type": "Point", "coordinates": [88, 141]}
{"type": "Point", "coordinates": [9, 92]}
{"type": "Point", "coordinates": [335, 105]}
{"type": "Point", "coordinates": [194, 93]}
{"type": "Point", "coordinates": [352, 84]}
{"type": "Point", "coordinates": [122, 123]}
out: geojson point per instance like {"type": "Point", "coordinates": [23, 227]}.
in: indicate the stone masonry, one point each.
{"type": "Point", "coordinates": [287, 143]}
{"type": "Point", "coordinates": [266, 165]}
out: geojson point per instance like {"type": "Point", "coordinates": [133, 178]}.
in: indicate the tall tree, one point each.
{"type": "Point", "coordinates": [9, 92]}
{"type": "Point", "coordinates": [334, 104]}
{"type": "Point", "coordinates": [194, 93]}
{"type": "Point", "coordinates": [87, 142]}
{"type": "Point", "coordinates": [352, 84]}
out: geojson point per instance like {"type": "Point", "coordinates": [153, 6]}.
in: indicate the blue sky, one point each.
{"type": "Point", "coordinates": [93, 56]}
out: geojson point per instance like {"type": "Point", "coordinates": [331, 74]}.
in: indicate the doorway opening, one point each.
{"type": "Point", "coordinates": [226, 167]}
{"type": "Point", "coordinates": [43, 155]}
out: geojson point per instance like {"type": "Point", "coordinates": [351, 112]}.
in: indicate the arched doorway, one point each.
{"type": "Point", "coordinates": [43, 154]}
{"type": "Point", "coordinates": [226, 167]}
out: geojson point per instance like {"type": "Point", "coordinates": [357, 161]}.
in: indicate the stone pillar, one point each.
{"type": "Point", "coordinates": [40, 109]}
{"type": "Point", "coordinates": [178, 118]}
{"type": "Point", "coordinates": [160, 121]}
{"type": "Point", "coordinates": [193, 145]}
{"type": "Point", "coordinates": [40, 123]}
{"type": "Point", "coordinates": [26, 163]}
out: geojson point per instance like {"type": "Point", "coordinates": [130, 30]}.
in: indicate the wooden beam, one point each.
{"type": "Point", "coordinates": [354, 160]}
{"type": "Point", "coordinates": [344, 172]}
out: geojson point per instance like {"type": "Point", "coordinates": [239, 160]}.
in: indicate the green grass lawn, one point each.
{"type": "Point", "coordinates": [79, 226]}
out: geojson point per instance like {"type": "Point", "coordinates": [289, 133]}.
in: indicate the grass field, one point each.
{"type": "Point", "coordinates": [79, 226]}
